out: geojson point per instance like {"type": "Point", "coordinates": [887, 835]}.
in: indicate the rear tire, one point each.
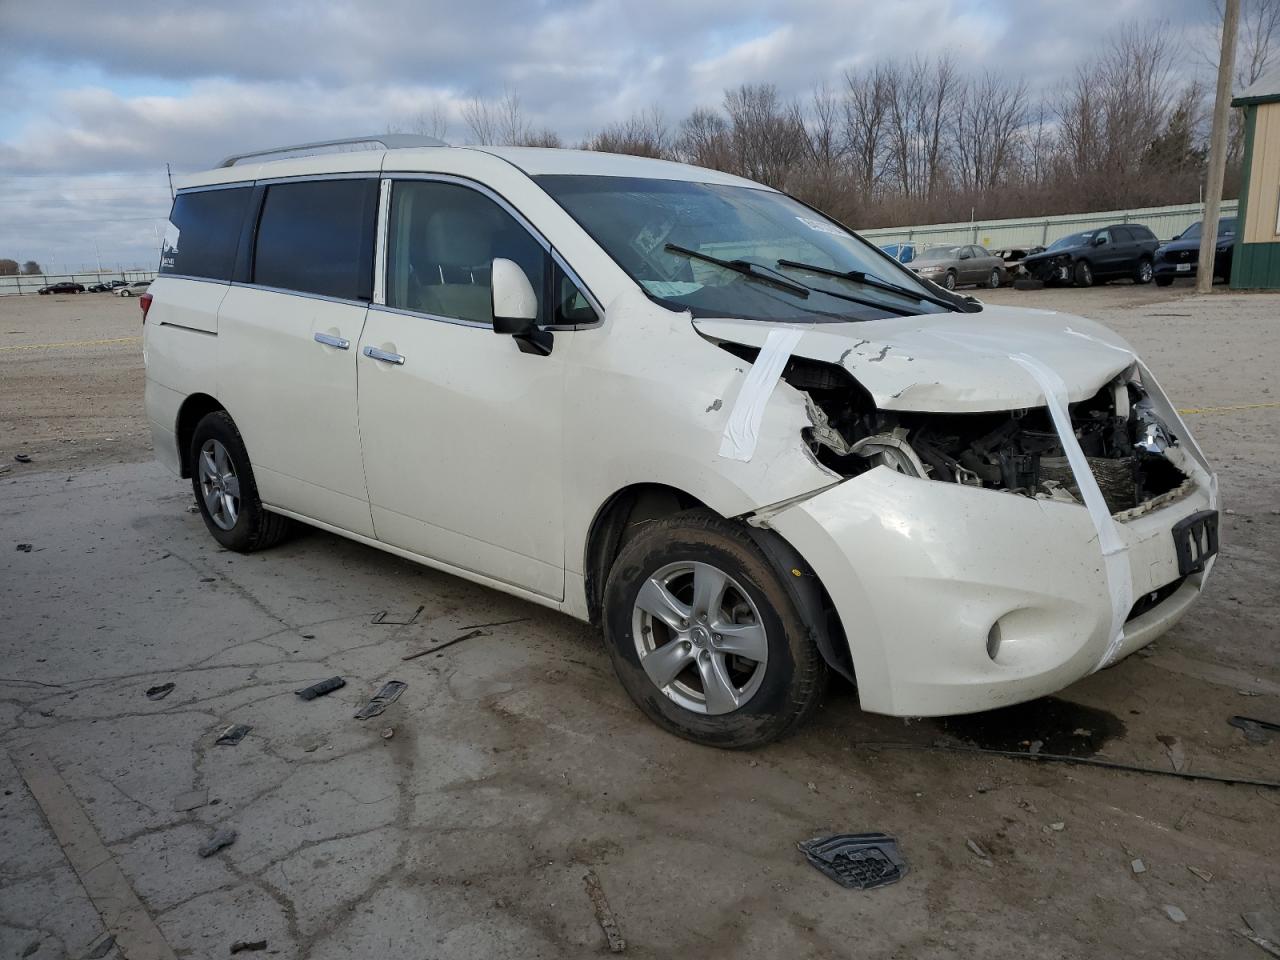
{"type": "Point", "coordinates": [766, 686]}
{"type": "Point", "coordinates": [1145, 271]}
{"type": "Point", "coordinates": [949, 281]}
{"type": "Point", "coordinates": [1083, 274]}
{"type": "Point", "coordinates": [993, 281]}
{"type": "Point", "coordinates": [225, 490]}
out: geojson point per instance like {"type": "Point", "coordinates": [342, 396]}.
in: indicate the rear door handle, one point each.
{"type": "Point", "coordinates": [384, 356]}
{"type": "Point", "coordinates": [331, 341]}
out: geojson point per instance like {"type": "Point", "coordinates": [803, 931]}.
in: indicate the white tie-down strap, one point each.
{"type": "Point", "coordinates": [743, 429]}
{"type": "Point", "coordinates": [1115, 562]}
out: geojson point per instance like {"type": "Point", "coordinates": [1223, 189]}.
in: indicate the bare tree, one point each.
{"type": "Point", "coordinates": [704, 140]}
{"type": "Point", "coordinates": [32, 269]}
{"type": "Point", "coordinates": [643, 134]}
{"type": "Point", "coordinates": [990, 113]}
{"type": "Point", "coordinates": [922, 100]}
{"type": "Point", "coordinates": [766, 136]}
{"type": "Point", "coordinates": [866, 110]}
{"type": "Point", "coordinates": [8, 268]}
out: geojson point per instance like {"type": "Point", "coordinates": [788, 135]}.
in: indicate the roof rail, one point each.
{"type": "Point", "coordinates": [385, 141]}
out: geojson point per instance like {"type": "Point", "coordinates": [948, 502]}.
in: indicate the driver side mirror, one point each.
{"type": "Point", "coordinates": [515, 307]}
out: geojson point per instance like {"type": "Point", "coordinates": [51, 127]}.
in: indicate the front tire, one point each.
{"type": "Point", "coordinates": [1083, 274]}
{"type": "Point", "coordinates": [949, 281]}
{"type": "Point", "coordinates": [704, 636]}
{"type": "Point", "coordinates": [226, 492]}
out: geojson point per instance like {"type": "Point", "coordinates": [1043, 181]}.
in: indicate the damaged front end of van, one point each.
{"type": "Point", "coordinates": [1014, 502]}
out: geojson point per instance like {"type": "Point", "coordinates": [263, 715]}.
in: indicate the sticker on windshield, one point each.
{"type": "Point", "coordinates": [653, 234]}
{"type": "Point", "coordinates": [821, 227]}
{"type": "Point", "coordinates": [169, 246]}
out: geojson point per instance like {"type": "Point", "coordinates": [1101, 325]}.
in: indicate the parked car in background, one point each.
{"type": "Point", "coordinates": [951, 267]}
{"type": "Point", "coordinates": [96, 288]}
{"type": "Point", "coordinates": [1181, 255]}
{"type": "Point", "coordinates": [1092, 256]}
{"type": "Point", "coordinates": [902, 252]}
{"type": "Point", "coordinates": [1013, 258]}
{"type": "Point", "coordinates": [135, 289]}
{"type": "Point", "coordinates": [62, 286]}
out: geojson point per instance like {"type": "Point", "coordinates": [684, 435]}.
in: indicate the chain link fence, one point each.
{"type": "Point", "coordinates": [31, 283]}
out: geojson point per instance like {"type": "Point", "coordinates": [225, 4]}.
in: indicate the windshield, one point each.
{"type": "Point", "coordinates": [940, 253]}
{"type": "Point", "coordinates": [1071, 240]}
{"type": "Point", "coordinates": [1226, 228]}
{"type": "Point", "coordinates": [641, 223]}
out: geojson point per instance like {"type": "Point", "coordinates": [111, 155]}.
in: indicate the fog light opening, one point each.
{"type": "Point", "coordinates": [993, 640]}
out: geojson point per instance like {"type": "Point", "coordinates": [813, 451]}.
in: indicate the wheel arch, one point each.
{"type": "Point", "coordinates": [193, 410]}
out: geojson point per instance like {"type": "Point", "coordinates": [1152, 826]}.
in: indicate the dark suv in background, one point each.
{"type": "Point", "coordinates": [1110, 253]}
{"type": "Point", "coordinates": [1179, 257]}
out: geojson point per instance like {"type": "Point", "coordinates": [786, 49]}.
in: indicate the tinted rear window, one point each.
{"type": "Point", "coordinates": [205, 230]}
{"type": "Point", "coordinates": [317, 237]}
{"type": "Point", "coordinates": [1142, 233]}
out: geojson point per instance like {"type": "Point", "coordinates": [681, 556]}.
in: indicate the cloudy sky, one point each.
{"type": "Point", "coordinates": [100, 95]}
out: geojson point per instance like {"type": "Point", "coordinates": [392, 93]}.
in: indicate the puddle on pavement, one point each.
{"type": "Point", "coordinates": [1060, 726]}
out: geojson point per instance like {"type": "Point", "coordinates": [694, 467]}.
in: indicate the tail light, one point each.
{"type": "Point", "coordinates": [144, 303]}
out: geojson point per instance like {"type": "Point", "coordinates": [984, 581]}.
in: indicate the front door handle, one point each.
{"type": "Point", "coordinates": [383, 355]}
{"type": "Point", "coordinates": [332, 341]}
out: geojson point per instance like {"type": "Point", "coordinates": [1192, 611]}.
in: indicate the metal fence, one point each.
{"type": "Point", "coordinates": [12, 286]}
{"type": "Point", "coordinates": [1165, 222]}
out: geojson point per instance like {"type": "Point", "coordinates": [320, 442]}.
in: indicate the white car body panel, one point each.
{"type": "Point", "coordinates": [479, 459]}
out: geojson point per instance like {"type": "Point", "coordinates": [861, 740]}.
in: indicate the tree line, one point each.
{"type": "Point", "coordinates": [11, 268]}
{"type": "Point", "coordinates": [924, 140]}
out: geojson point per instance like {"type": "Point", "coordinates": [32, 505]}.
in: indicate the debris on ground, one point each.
{"type": "Point", "coordinates": [193, 509]}
{"type": "Point", "coordinates": [159, 692]}
{"type": "Point", "coordinates": [388, 733]}
{"type": "Point", "coordinates": [1138, 866]}
{"type": "Point", "coordinates": [31, 948]}
{"type": "Point", "coordinates": [388, 695]}
{"type": "Point", "coordinates": [1204, 875]}
{"type": "Point", "coordinates": [321, 688]}
{"type": "Point", "coordinates": [604, 915]}
{"type": "Point", "coordinates": [222, 837]}
{"type": "Point", "coordinates": [22, 457]}
{"type": "Point", "coordinates": [1057, 826]}
{"type": "Point", "coordinates": [448, 643]}
{"type": "Point", "coordinates": [1255, 730]}
{"type": "Point", "coordinates": [1177, 755]}
{"type": "Point", "coordinates": [233, 734]}
{"type": "Point", "coordinates": [1264, 930]}
{"type": "Point", "coordinates": [978, 852]}
{"type": "Point", "coordinates": [856, 861]}
{"type": "Point", "coordinates": [245, 946]}
{"type": "Point", "coordinates": [101, 948]}
{"type": "Point", "coordinates": [381, 618]}
{"type": "Point", "coordinates": [1175, 913]}
{"type": "Point", "coordinates": [191, 800]}
{"type": "Point", "coordinates": [24, 547]}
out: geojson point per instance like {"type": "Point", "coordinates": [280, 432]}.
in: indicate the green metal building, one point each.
{"type": "Point", "coordinates": [1256, 258]}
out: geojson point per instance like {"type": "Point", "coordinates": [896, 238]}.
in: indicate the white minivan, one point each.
{"type": "Point", "coordinates": [678, 404]}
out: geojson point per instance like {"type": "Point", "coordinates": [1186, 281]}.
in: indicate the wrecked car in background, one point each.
{"type": "Point", "coordinates": [683, 406]}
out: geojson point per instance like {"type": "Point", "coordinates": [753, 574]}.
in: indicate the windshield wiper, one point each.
{"type": "Point", "coordinates": [866, 279]}
{"type": "Point", "coordinates": [743, 267]}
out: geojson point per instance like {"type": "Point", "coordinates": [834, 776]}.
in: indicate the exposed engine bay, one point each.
{"type": "Point", "coordinates": [1129, 448]}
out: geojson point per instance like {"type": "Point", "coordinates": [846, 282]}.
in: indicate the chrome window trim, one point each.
{"type": "Point", "coordinates": [380, 243]}
{"type": "Point", "coordinates": [205, 188]}
{"type": "Point", "coordinates": [520, 218]}
{"type": "Point", "coordinates": [300, 293]}
{"type": "Point", "coordinates": [309, 177]}
{"type": "Point", "coordinates": [187, 276]}
{"type": "Point", "coordinates": [418, 314]}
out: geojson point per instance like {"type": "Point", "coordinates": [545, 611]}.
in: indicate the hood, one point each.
{"type": "Point", "coordinates": [953, 362]}
{"type": "Point", "coordinates": [1051, 254]}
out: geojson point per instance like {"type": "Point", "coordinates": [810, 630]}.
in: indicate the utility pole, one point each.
{"type": "Point", "coordinates": [1217, 148]}
{"type": "Point", "coordinates": [170, 175]}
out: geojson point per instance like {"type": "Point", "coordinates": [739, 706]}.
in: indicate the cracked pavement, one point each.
{"type": "Point", "coordinates": [517, 764]}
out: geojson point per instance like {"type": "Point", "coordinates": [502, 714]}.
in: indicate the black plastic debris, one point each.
{"type": "Point", "coordinates": [246, 946]}
{"type": "Point", "coordinates": [1254, 730]}
{"type": "Point", "coordinates": [381, 618]}
{"type": "Point", "coordinates": [857, 861]}
{"type": "Point", "coordinates": [321, 688]}
{"type": "Point", "coordinates": [22, 457]}
{"type": "Point", "coordinates": [388, 695]}
{"type": "Point", "coordinates": [447, 643]}
{"type": "Point", "coordinates": [101, 948]}
{"type": "Point", "coordinates": [233, 734]}
{"type": "Point", "coordinates": [24, 547]}
{"type": "Point", "coordinates": [160, 691]}
{"type": "Point", "coordinates": [223, 837]}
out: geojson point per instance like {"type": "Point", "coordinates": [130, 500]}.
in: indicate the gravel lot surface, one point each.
{"type": "Point", "coordinates": [516, 765]}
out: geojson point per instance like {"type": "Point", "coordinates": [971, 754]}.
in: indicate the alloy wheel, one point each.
{"type": "Point", "coordinates": [219, 484]}
{"type": "Point", "coordinates": [700, 638]}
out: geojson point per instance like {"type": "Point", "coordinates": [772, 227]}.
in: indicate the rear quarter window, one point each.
{"type": "Point", "coordinates": [316, 236]}
{"type": "Point", "coordinates": [203, 233]}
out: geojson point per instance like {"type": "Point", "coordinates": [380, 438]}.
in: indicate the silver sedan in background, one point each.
{"type": "Point", "coordinates": [952, 266]}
